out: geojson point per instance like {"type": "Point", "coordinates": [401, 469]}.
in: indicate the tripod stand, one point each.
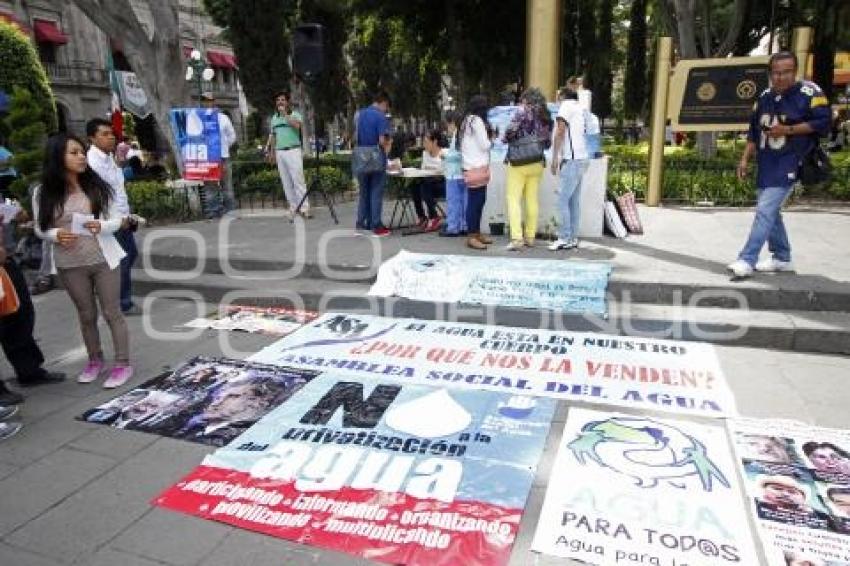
{"type": "Point", "coordinates": [316, 183]}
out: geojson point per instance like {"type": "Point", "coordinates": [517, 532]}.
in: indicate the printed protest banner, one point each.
{"type": "Point", "coordinates": [399, 473]}
{"type": "Point", "coordinates": [271, 321]}
{"type": "Point", "coordinates": [567, 286]}
{"type": "Point", "coordinates": [679, 377]}
{"type": "Point", "coordinates": [798, 485]}
{"type": "Point", "coordinates": [206, 400]}
{"type": "Point", "coordinates": [197, 134]}
{"type": "Point", "coordinates": [636, 490]}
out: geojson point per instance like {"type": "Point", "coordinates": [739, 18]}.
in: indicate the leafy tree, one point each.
{"type": "Point", "coordinates": [20, 67]}
{"type": "Point", "coordinates": [26, 140]}
{"type": "Point", "coordinates": [635, 92]}
{"type": "Point", "coordinates": [601, 79]}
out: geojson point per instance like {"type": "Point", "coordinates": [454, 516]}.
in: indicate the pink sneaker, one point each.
{"type": "Point", "coordinates": [118, 376]}
{"type": "Point", "coordinates": [91, 372]}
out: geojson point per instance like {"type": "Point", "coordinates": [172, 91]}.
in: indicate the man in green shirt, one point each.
{"type": "Point", "coordinates": [285, 141]}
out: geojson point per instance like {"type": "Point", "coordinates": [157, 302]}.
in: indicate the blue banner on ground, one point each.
{"type": "Point", "coordinates": [566, 286]}
{"type": "Point", "coordinates": [401, 473]}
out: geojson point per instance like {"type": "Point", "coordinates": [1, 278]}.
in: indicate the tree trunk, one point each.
{"type": "Point", "coordinates": [157, 59]}
{"type": "Point", "coordinates": [456, 53]}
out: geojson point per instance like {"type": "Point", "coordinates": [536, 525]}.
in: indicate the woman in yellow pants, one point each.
{"type": "Point", "coordinates": [530, 128]}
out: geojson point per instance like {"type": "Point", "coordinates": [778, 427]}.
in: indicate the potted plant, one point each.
{"type": "Point", "coordinates": [497, 225]}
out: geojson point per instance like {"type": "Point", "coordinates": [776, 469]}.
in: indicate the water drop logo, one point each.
{"type": "Point", "coordinates": [648, 451]}
{"type": "Point", "coordinates": [517, 407]}
{"type": "Point", "coordinates": [432, 415]}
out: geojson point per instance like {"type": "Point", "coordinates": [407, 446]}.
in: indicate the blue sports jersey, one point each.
{"type": "Point", "coordinates": [779, 158]}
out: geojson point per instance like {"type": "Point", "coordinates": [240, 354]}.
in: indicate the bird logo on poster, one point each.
{"type": "Point", "coordinates": [648, 451]}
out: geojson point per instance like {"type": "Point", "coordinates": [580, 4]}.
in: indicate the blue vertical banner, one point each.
{"type": "Point", "coordinates": [199, 139]}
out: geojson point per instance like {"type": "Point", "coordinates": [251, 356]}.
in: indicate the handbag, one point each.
{"type": "Point", "coordinates": [627, 207]}
{"type": "Point", "coordinates": [477, 177]}
{"type": "Point", "coordinates": [367, 159]}
{"type": "Point", "coordinates": [525, 150]}
{"type": "Point", "coordinates": [815, 168]}
{"type": "Point", "coordinates": [9, 302]}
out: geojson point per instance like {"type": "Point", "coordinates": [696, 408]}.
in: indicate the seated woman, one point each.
{"type": "Point", "coordinates": [429, 188]}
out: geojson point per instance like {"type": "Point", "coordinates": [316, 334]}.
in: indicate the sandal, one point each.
{"type": "Point", "coordinates": [42, 285]}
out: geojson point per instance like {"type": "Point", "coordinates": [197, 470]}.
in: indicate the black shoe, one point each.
{"type": "Point", "coordinates": [47, 378]}
{"type": "Point", "coordinates": [8, 397]}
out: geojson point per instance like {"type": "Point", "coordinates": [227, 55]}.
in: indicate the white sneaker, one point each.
{"type": "Point", "coordinates": [560, 244]}
{"type": "Point", "coordinates": [773, 265]}
{"type": "Point", "coordinates": [740, 268]}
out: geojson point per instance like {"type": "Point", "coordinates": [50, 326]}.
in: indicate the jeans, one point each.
{"type": "Point", "coordinates": [522, 185]}
{"type": "Point", "coordinates": [474, 208]}
{"type": "Point", "coordinates": [87, 285]}
{"type": "Point", "coordinates": [456, 202]}
{"type": "Point", "coordinates": [569, 201]}
{"type": "Point", "coordinates": [370, 205]}
{"type": "Point", "coordinates": [768, 227]}
{"type": "Point", "coordinates": [128, 242]}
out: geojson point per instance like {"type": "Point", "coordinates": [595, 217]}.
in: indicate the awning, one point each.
{"type": "Point", "coordinates": [48, 32]}
{"type": "Point", "coordinates": [11, 19]}
{"type": "Point", "coordinates": [842, 77]}
{"type": "Point", "coordinates": [221, 60]}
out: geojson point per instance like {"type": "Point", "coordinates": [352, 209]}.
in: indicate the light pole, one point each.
{"type": "Point", "coordinates": [197, 68]}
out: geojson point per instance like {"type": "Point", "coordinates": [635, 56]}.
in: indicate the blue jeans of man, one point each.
{"type": "Point", "coordinates": [569, 199]}
{"type": "Point", "coordinates": [128, 242]}
{"type": "Point", "coordinates": [456, 201]}
{"type": "Point", "coordinates": [768, 227]}
{"type": "Point", "coordinates": [370, 205]}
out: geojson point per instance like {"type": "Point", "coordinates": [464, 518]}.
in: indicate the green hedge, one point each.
{"type": "Point", "coordinates": [267, 181]}
{"type": "Point", "coordinates": [157, 202]}
{"type": "Point", "coordinates": [690, 179]}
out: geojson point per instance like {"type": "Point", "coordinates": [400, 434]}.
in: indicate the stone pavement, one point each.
{"type": "Point", "coordinates": [78, 493]}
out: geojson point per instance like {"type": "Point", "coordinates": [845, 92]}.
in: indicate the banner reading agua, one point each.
{"type": "Point", "coordinates": [679, 377]}
{"type": "Point", "coordinates": [363, 466]}
{"type": "Point", "coordinates": [634, 490]}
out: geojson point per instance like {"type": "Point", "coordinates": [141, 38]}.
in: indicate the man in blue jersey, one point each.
{"type": "Point", "coordinates": [787, 121]}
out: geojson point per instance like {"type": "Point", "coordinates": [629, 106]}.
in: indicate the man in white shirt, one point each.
{"type": "Point", "coordinates": [102, 162]}
{"type": "Point", "coordinates": [228, 138]}
{"type": "Point", "coordinates": [569, 156]}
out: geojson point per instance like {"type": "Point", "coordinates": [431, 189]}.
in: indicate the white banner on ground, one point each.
{"type": "Point", "coordinates": [567, 286]}
{"type": "Point", "coordinates": [798, 485]}
{"type": "Point", "coordinates": [634, 490]}
{"type": "Point", "coordinates": [679, 377]}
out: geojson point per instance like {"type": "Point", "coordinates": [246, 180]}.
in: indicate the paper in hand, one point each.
{"type": "Point", "coordinates": [78, 224]}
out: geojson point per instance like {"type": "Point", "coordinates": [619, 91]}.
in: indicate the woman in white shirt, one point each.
{"type": "Point", "coordinates": [76, 209]}
{"type": "Point", "coordinates": [475, 137]}
{"type": "Point", "coordinates": [430, 188]}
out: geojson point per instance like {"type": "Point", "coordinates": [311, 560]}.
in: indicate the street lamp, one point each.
{"type": "Point", "coordinates": [197, 68]}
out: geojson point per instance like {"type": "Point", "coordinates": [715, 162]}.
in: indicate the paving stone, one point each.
{"type": "Point", "coordinates": [245, 547]}
{"type": "Point", "coordinates": [35, 488]}
{"type": "Point", "coordinates": [171, 537]}
{"type": "Point", "coordinates": [13, 556]}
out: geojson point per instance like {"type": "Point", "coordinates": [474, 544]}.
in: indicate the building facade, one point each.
{"type": "Point", "coordinates": [75, 54]}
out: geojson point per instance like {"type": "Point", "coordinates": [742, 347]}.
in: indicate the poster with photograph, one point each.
{"type": "Point", "coordinates": [798, 485]}
{"type": "Point", "coordinates": [635, 490]}
{"type": "Point", "coordinates": [269, 321]}
{"type": "Point", "coordinates": [392, 472]}
{"type": "Point", "coordinates": [206, 400]}
{"type": "Point", "coordinates": [643, 373]}
{"type": "Point", "coordinates": [559, 285]}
